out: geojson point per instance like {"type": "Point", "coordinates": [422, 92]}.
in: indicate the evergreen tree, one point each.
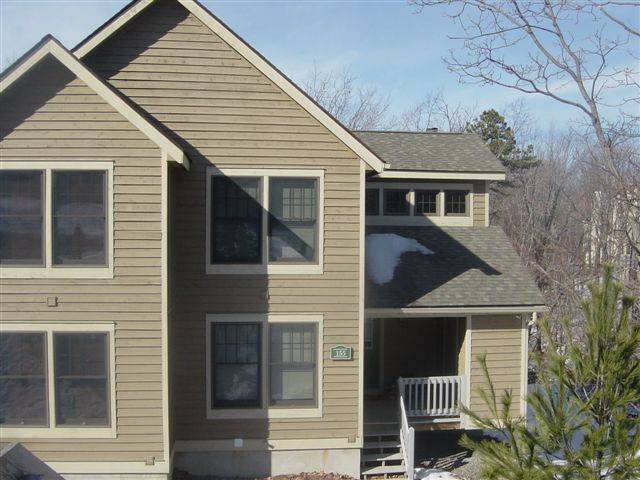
{"type": "Point", "coordinates": [582, 427]}
{"type": "Point", "coordinates": [501, 140]}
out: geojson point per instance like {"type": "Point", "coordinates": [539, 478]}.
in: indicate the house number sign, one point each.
{"type": "Point", "coordinates": [340, 352]}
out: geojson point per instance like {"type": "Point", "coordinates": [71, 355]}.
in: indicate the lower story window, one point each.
{"type": "Point", "coordinates": [81, 372]}
{"type": "Point", "coordinates": [236, 365]}
{"type": "Point", "coordinates": [292, 368]}
{"type": "Point", "coordinates": [73, 389]}
{"type": "Point", "coordinates": [23, 379]}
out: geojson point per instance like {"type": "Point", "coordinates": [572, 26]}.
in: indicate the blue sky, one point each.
{"type": "Point", "coordinates": [386, 44]}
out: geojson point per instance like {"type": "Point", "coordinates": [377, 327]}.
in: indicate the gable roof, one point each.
{"type": "Point", "coordinates": [469, 267]}
{"type": "Point", "coordinates": [433, 152]}
{"type": "Point", "coordinates": [50, 46]}
{"type": "Point", "coordinates": [131, 10]}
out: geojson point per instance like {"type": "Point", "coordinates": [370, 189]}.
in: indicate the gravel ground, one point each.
{"type": "Point", "coordinates": [180, 475]}
{"type": "Point", "coordinates": [440, 450]}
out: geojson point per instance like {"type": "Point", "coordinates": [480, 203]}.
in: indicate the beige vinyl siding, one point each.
{"type": "Point", "coordinates": [228, 114]}
{"type": "Point", "coordinates": [49, 115]}
{"type": "Point", "coordinates": [500, 338]}
{"type": "Point", "coordinates": [480, 199]}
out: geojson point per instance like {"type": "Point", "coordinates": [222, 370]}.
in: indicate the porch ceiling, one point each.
{"type": "Point", "coordinates": [470, 267]}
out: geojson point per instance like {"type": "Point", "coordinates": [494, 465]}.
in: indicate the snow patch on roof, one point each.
{"type": "Point", "coordinates": [383, 252]}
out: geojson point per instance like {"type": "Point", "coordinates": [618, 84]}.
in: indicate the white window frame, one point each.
{"type": "Point", "coordinates": [61, 431]}
{"type": "Point", "coordinates": [418, 219]}
{"type": "Point", "coordinates": [48, 270]}
{"type": "Point", "coordinates": [265, 410]}
{"type": "Point", "coordinates": [265, 267]}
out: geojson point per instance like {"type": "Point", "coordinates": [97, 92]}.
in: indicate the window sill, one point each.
{"type": "Point", "coordinates": [258, 413]}
{"type": "Point", "coordinates": [280, 269]}
{"type": "Point", "coordinates": [57, 272]}
{"type": "Point", "coordinates": [57, 432]}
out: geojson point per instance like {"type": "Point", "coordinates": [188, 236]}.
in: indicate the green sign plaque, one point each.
{"type": "Point", "coordinates": [340, 352]}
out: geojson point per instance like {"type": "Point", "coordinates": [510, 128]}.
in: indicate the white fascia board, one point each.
{"type": "Point", "coordinates": [257, 60]}
{"type": "Point", "coordinates": [137, 7]}
{"type": "Point", "coordinates": [434, 175]}
{"type": "Point", "coordinates": [169, 149]}
{"type": "Point", "coordinates": [450, 311]}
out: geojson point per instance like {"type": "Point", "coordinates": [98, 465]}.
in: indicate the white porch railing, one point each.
{"type": "Point", "coordinates": [407, 437]}
{"type": "Point", "coordinates": [432, 396]}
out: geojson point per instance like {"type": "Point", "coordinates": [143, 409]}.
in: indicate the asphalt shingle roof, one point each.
{"type": "Point", "coordinates": [433, 151]}
{"type": "Point", "coordinates": [470, 267]}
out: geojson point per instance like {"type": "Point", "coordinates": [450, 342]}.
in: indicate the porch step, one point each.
{"type": "Point", "coordinates": [381, 457]}
{"type": "Point", "coordinates": [383, 470]}
{"type": "Point", "coordinates": [381, 430]}
{"type": "Point", "coordinates": [381, 445]}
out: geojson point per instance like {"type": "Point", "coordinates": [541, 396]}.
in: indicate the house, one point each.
{"type": "Point", "coordinates": [202, 269]}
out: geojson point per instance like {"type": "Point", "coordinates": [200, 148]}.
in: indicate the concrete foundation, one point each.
{"type": "Point", "coordinates": [243, 463]}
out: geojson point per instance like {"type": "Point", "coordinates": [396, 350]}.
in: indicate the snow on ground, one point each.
{"type": "Point", "coordinates": [432, 474]}
{"type": "Point", "coordinates": [383, 254]}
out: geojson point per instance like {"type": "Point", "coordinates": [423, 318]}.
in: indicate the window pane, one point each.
{"type": "Point", "coordinates": [372, 202]}
{"type": "Point", "coordinates": [293, 364]}
{"type": "Point", "coordinates": [426, 202]}
{"type": "Point", "coordinates": [293, 213]}
{"type": "Point", "coordinates": [396, 202]}
{"type": "Point", "coordinates": [21, 224]}
{"type": "Point", "coordinates": [81, 373]}
{"type": "Point", "coordinates": [79, 217]}
{"type": "Point", "coordinates": [455, 202]}
{"type": "Point", "coordinates": [236, 219]}
{"type": "Point", "coordinates": [23, 384]}
{"type": "Point", "coordinates": [235, 364]}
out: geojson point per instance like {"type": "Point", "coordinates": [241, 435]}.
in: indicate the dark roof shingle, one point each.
{"type": "Point", "coordinates": [432, 151]}
{"type": "Point", "coordinates": [470, 267]}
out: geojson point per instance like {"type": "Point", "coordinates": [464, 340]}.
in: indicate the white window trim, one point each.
{"type": "Point", "coordinates": [264, 411]}
{"type": "Point", "coordinates": [417, 219]}
{"type": "Point", "coordinates": [53, 430]}
{"type": "Point", "coordinates": [61, 271]}
{"type": "Point", "coordinates": [266, 267]}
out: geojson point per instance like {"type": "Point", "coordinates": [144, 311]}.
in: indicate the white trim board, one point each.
{"type": "Point", "coordinates": [450, 311]}
{"type": "Point", "coordinates": [253, 57]}
{"type": "Point", "coordinates": [434, 175]}
{"type": "Point", "coordinates": [51, 46]}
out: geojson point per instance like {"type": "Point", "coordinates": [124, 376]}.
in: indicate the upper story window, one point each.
{"type": "Point", "coordinates": [21, 217]}
{"type": "Point", "coordinates": [264, 221]}
{"type": "Point", "coordinates": [455, 202]}
{"type": "Point", "coordinates": [372, 201]}
{"type": "Point", "coordinates": [57, 381]}
{"type": "Point", "coordinates": [420, 203]}
{"type": "Point", "coordinates": [56, 220]}
{"type": "Point", "coordinates": [426, 202]}
{"type": "Point", "coordinates": [396, 202]}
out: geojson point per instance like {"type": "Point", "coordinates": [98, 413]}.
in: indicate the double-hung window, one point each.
{"type": "Point", "coordinates": [264, 221]}
{"type": "Point", "coordinates": [264, 365]}
{"type": "Point", "coordinates": [55, 220]}
{"type": "Point", "coordinates": [57, 380]}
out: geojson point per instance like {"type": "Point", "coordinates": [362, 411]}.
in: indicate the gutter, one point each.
{"type": "Point", "coordinates": [451, 311]}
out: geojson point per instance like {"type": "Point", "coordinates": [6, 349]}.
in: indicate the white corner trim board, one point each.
{"type": "Point", "coordinates": [253, 57]}
{"type": "Point", "coordinates": [50, 46]}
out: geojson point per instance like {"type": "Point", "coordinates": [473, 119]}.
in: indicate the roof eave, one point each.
{"type": "Point", "coordinates": [451, 311]}
{"type": "Point", "coordinates": [439, 175]}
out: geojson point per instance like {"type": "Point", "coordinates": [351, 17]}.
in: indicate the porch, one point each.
{"type": "Point", "coordinates": [420, 358]}
{"type": "Point", "coordinates": [414, 380]}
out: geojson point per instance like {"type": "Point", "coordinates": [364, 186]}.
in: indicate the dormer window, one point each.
{"type": "Point", "coordinates": [455, 202]}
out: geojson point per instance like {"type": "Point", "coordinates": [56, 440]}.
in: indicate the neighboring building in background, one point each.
{"type": "Point", "coordinates": [184, 276]}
